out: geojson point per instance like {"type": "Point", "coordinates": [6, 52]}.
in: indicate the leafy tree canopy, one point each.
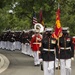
{"type": "Point", "coordinates": [17, 14]}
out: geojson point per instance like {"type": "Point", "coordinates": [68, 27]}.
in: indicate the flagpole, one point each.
{"type": "Point", "coordinates": [32, 14]}
{"type": "Point", "coordinates": [58, 45]}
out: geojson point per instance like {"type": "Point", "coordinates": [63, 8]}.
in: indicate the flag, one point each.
{"type": "Point", "coordinates": [41, 17]}
{"type": "Point", "coordinates": [58, 27]}
{"type": "Point", "coordinates": [34, 18]}
{"type": "Point", "coordinates": [54, 36]}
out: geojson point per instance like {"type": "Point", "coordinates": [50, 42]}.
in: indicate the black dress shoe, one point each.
{"type": "Point", "coordinates": [57, 68]}
{"type": "Point", "coordinates": [37, 65]}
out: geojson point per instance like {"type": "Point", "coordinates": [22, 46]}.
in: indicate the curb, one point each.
{"type": "Point", "coordinates": [4, 63]}
{"type": "Point", "coordinates": [1, 61]}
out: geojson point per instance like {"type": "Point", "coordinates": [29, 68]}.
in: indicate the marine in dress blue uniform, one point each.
{"type": "Point", "coordinates": [66, 52]}
{"type": "Point", "coordinates": [49, 46]}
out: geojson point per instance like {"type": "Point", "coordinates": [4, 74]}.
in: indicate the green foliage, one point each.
{"type": "Point", "coordinates": [21, 18]}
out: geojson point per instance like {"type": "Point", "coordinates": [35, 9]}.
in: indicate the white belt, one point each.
{"type": "Point", "coordinates": [36, 43]}
{"type": "Point", "coordinates": [65, 48]}
{"type": "Point", "coordinates": [48, 49]}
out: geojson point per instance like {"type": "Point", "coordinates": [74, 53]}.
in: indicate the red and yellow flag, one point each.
{"type": "Point", "coordinates": [41, 17]}
{"type": "Point", "coordinates": [58, 27]}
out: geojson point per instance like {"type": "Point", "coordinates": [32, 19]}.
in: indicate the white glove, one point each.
{"type": "Point", "coordinates": [49, 69]}
{"type": "Point", "coordinates": [40, 60]}
{"type": "Point", "coordinates": [72, 58]}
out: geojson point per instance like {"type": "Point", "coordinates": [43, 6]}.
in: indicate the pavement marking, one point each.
{"type": "Point", "coordinates": [4, 63]}
{"type": "Point", "coordinates": [1, 61]}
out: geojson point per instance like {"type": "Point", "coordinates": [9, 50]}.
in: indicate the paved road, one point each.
{"type": "Point", "coordinates": [21, 64]}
